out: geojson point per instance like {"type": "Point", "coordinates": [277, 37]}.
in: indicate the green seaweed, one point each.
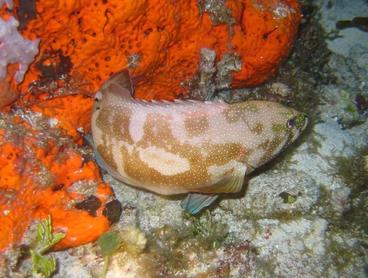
{"type": "Point", "coordinates": [211, 233]}
{"type": "Point", "coordinates": [170, 245]}
{"type": "Point", "coordinates": [166, 243]}
{"type": "Point", "coordinates": [288, 198]}
{"type": "Point", "coordinates": [45, 240]}
{"type": "Point", "coordinates": [342, 254]}
{"type": "Point", "coordinates": [109, 243]}
{"type": "Point", "coordinates": [353, 171]}
{"type": "Point", "coordinates": [351, 115]}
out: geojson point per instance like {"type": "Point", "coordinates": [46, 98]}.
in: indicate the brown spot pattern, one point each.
{"type": "Point", "coordinates": [233, 113]}
{"type": "Point", "coordinates": [106, 155]}
{"type": "Point", "coordinates": [103, 118]}
{"type": "Point", "coordinates": [120, 126]}
{"type": "Point", "coordinates": [241, 110]}
{"type": "Point", "coordinates": [196, 126]}
{"type": "Point", "coordinates": [249, 106]}
{"type": "Point", "coordinates": [270, 149]}
{"type": "Point", "coordinates": [264, 145]}
{"type": "Point", "coordinates": [257, 129]}
{"type": "Point", "coordinates": [219, 154]}
{"type": "Point", "coordinates": [193, 179]}
{"type": "Point", "coordinates": [157, 132]}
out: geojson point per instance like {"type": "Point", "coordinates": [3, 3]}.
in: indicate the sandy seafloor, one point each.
{"type": "Point", "coordinates": [304, 216]}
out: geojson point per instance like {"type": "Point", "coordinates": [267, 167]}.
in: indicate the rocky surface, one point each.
{"type": "Point", "coordinates": [303, 215]}
{"type": "Point", "coordinates": [286, 224]}
{"type": "Point", "coordinates": [347, 39]}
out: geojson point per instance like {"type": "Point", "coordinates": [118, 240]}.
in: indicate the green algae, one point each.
{"type": "Point", "coordinates": [210, 232]}
{"type": "Point", "coordinates": [341, 256]}
{"type": "Point", "coordinates": [350, 114]}
{"type": "Point", "coordinates": [353, 171]}
{"type": "Point", "coordinates": [109, 244]}
{"type": "Point", "coordinates": [172, 246]}
{"type": "Point", "coordinates": [345, 255]}
{"type": "Point", "coordinates": [288, 198]}
{"type": "Point", "coordinates": [303, 72]}
{"type": "Point", "coordinates": [45, 239]}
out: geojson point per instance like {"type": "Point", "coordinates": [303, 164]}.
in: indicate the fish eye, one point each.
{"type": "Point", "coordinates": [291, 123]}
{"type": "Point", "coordinates": [299, 121]}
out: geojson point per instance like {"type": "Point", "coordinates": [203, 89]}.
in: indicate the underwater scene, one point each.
{"type": "Point", "coordinates": [187, 138]}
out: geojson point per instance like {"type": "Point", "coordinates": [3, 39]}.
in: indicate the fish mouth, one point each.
{"type": "Point", "coordinates": [303, 123]}
{"type": "Point", "coordinates": [306, 120]}
{"type": "Point", "coordinates": [300, 121]}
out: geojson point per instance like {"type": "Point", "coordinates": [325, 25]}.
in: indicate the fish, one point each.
{"type": "Point", "coordinates": [357, 22]}
{"type": "Point", "coordinates": [199, 148]}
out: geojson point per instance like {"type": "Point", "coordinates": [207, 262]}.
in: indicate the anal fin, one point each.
{"type": "Point", "coordinates": [195, 202]}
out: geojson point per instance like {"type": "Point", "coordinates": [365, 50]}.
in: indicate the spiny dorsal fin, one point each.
{"type": "Point", "coordinates": [121, 78]}
{"type": "Point", "coordinates": [119, 84]}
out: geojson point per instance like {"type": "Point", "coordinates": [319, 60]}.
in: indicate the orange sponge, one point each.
{"type": "Point", "coordinates": [160, 41]}
{"type": "Point", "coordinates": [42, 172]}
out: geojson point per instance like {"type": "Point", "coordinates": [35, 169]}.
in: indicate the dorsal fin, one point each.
{"type": "Point", "coordinates": [119, 83]}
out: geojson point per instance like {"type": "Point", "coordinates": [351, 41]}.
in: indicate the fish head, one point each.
{"type": "Point", "coordinates": [277, 127]}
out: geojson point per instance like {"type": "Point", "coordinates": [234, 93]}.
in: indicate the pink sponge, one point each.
{"type": "Point", "coordinates": [14, 48]}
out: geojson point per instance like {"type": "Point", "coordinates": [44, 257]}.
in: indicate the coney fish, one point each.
{"type": "Point", "coordinates": [195, 147]}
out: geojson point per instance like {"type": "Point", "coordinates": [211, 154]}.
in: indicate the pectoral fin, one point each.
{"type": "Point", "coordinates": [230, 184]}
{"type": "Point", "coordinates": [195, 202]}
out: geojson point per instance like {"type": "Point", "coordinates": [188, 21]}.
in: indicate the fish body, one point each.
{"type": "Point", "coordinates": [357, 22]}
{"type": "Point", "coordinates": [187, 146]}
